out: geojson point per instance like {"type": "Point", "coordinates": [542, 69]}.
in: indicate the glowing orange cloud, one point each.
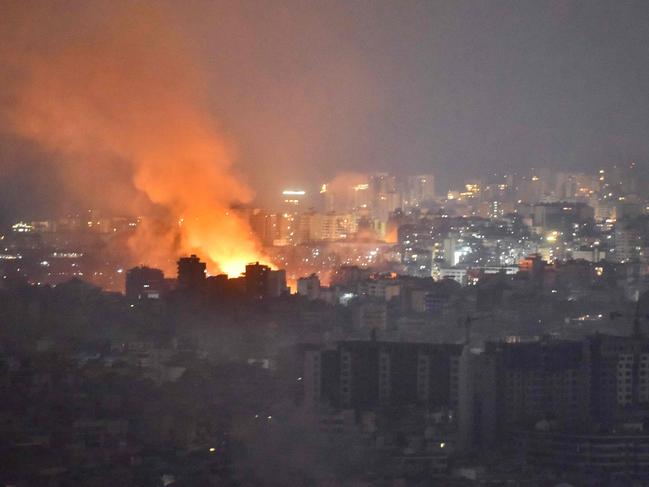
{"type": "Point", "coordinates": [112, 91]}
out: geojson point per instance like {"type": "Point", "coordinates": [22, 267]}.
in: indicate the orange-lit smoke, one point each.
{"type": "Point", "coordinates": [342, 189]}
{"type": "Point", "coordinates": [111, 91]}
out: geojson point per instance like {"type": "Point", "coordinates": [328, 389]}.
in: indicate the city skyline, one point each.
{"type": "Point", "coordinates": [447, 87]}
{"type": "Point", "coordinates": [324, 243]}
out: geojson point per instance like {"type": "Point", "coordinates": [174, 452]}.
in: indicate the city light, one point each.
{"type": "Point", "coordinates": [305, 243]}
{"type": "Point", "coordinates": [22, 227]}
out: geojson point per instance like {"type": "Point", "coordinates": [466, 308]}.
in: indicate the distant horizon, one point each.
{"type": "Point", "coordinates": [312, 188]}
{"type": "Point", "coordinates": [301, 94]}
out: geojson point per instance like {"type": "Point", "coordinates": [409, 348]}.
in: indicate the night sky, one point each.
{"type": "Point", "coordinates": [305, 90]}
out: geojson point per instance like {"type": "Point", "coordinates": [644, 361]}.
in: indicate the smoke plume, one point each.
{"type": "Point", "coordinates": [342, 187]}
{"type": "Point", "coordinates": [112, 92]}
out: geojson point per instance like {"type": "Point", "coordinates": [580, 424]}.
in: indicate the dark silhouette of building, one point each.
{"type": "Point", "coordinates": [562, 216]}
{"type": "Point", "coordinates": [368, 375]}
{"type": "Point", "coordinates": [256, 280]}
{"type": "Point", "coordinates": [265, 226]}
{"type": "Point", "coordinates": [533, 268]}
{"type": "Point", "coordinates": [309, 287]}
{"type": "Point", "coordinates": [263, 282]}
{"type": "Point", "coordinates": [538, 380]}
{"type": "Point", "coordinates": [620, 375]}
{"type": "Point", "coordinates": [218, 285]}
{"type": "Point", "coordinates": [191, 273]}
{"type": "Point", "coordinates": [276, 283]}
{"type": "Point", "coordinates": [624, 451]}
{"type": "Point", "coordinates": [145, 283]}
{"type": "Point", "coordinates": [222, 288]}
{"type": "Point", "coordinates": [348, 275]}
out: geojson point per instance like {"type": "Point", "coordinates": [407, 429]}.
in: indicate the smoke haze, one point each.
{"type": "Point", "coordinates": [110, 90]}
{"type": "Point", "coordinates": [310, 89]}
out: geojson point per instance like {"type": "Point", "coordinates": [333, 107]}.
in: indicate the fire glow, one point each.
{"type": "Point", "coordinates": [122, 109]}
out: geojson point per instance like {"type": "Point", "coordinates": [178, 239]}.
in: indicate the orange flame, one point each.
{"type": "Point", "coordinates": [122, 106]}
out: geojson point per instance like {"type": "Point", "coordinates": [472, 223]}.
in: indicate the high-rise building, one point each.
{"type": "Point", "coordinates": [265, 227]}
{"type": "Point", "coordinates": [285, 229]}
{"type": "Point", "coordinates": [538, 379]}
{"type": "Point", "coordinates": [600, 379]}
{"type": "Point", "coordinates": [309, 287]}
{"type": "Point", "coordinates": [361, 198]}
{"type": "Point", "coordinates": [276, 284]}
{"type": "Point", "coordinates": [309, 227]}
{"type": "Point", "coordinates": [145, 283]}
{"type": "Point", "coordinates": [620, 380]}
{"type": "Point", "coordinates": [367, 375]}
{"type": "Point", "coordinates": [531, 188]}
{"type": "Point", "coordinates": [420, 189]}
{"type": "Point", "coordinates": [382, 183]}
{"type": "Point", "coordinates": [384, 197]}
{"type": "Point", "coordinates": [293, 198]}
{"type": "Point", "coordinates": [191, 273]}
{"type": "Point", "coordinates": [629, 245]}
{"type": "Point", "coordinates": [327, 198]}
{"type": "Point", "coordinates": [563, 216]}
{"type": "Point", "coordinates": [337, 226]}
{"type": "Point", "coordinates": [263, 282]}
{"type": "Point", "coordinates": [256, 280]}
